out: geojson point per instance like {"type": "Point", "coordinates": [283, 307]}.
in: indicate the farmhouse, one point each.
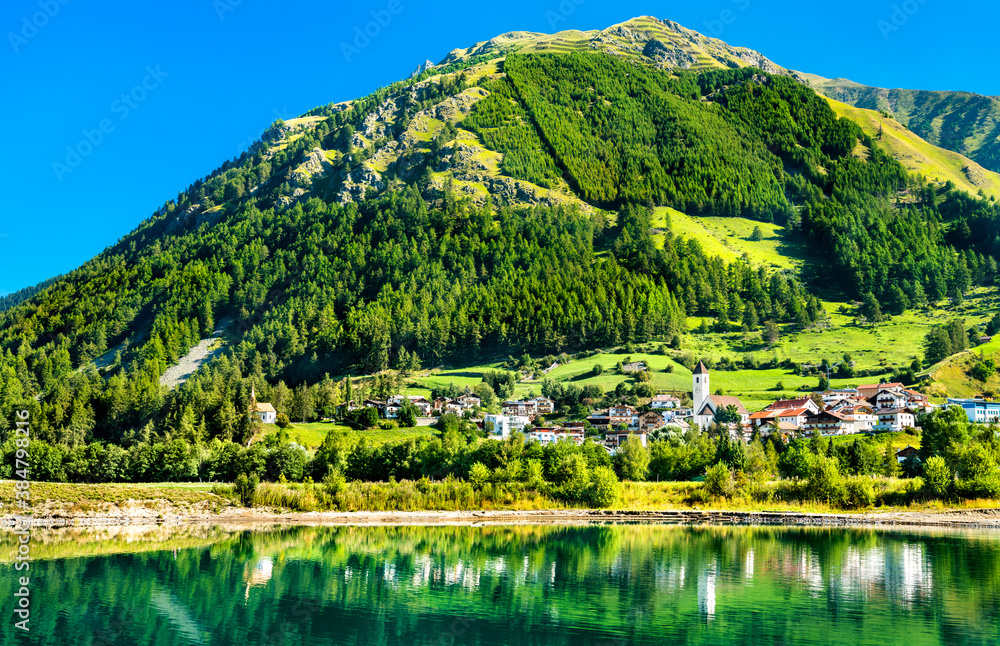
{"type": "Point", "coordinates": [543, 405]}
{"type": "Point", "coordinates": [664, 401]}
{"type": "Point", "coordinates": [801, 402]}
{"type": "Point", "coordinates": [829, 423]}
{"type": "Point", "coordinates": [895, 419]}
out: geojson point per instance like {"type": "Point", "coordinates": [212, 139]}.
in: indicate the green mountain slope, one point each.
{"type": "Point", "coordinates": [917, 156]}
{"type": "Point", "coordinates": [963, 122]}
{"type": "Point", "coordinates": [509, 200]}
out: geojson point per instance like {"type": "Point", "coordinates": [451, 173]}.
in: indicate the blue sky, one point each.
{"type": "Point", "coordinates": [151, 96]}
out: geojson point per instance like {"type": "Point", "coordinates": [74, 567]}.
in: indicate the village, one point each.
{"type": "Point", "coordinates": [866, 409]}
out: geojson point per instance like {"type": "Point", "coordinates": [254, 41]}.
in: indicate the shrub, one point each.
{"type": "Point", "coordinates": [859, 493]}
{"type": "Point", "coordinates": [825, 482]}
{"type": "Point", "coordinates": [632, 459]}
{"type": "Point", "coordinates": [334, 482]}
{"type": "Point", "coordinates": [719, 481]}
{"type": "Point", "coordinates": [938, 476]}
{"type": "Point", "coordinates": [245, 488]}
{"type": "Point", "coordinates": [605, 490]}
{"type": "Point", "coordinates": [282, 421]}
{"type": "Point", "coordinates": [573, 475]}
{"type": "Point", "coordinates": [479, 475]}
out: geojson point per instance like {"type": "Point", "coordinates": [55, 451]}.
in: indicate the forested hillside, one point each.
{"type": "Point", "coordinates": [493, 207]}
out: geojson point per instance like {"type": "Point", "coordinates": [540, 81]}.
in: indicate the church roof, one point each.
{"type": "Point", "coordinates": [701, 369]}
{"type": "Point", "coordinates": [722, 401]}
{"type": "Point", "coordinates": [264, 407]}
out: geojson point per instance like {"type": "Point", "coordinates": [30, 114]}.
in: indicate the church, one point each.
{"type": "Point", "coordinates": [707, 404]}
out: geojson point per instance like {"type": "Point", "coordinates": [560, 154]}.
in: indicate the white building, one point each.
{"type": "Point", "coordinates": [978, 411]}
{"type": "Point", "coordinates": [501, 426]}
{"type": "Point", "coordinates": [895, 419]}
{"type": "Point", "coordinates": [664, 402]}
{"type": "Point", "coordinates": [266, 413]}
{"type": "Point", "coordinates": [706, 405]}
{"type": "Point", "coordinates": [544, 437]}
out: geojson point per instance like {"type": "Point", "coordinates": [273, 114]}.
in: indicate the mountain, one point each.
{"type": "Point", "coordinates": [963, 122]}
{"type": "Point", "coordinates": [662, 43]}
{"type": "Point", "coordinates": [515, 198]}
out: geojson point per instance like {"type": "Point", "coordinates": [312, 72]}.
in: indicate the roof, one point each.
{"type": "Point", "coordinates": [879, 386]}
{"type": "Point", "coordinates": [265, 408]}
{"type": "Point", "coordinates": [700, 369]}
{"type": "Point", "coordinates": [894, 411]}
{"type": "Point", "coordinates": [766, 414]}
{"type": "Point", "coordinates": [665, 398]}
{"type": "Point", "coordinates": [789, 403]}
{"type": "Point", "coordinates": [835, 415]}
{"type": "Point", "coordinates": [794, 412]}
{"type": "Point", "coordinates": [725, 401]}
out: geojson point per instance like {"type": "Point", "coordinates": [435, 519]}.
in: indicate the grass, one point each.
{"type": "Point", "coordinates": [731, 238]}
{"type": "Point", "coordinates": [919, 156]}
{"type": "Point", "coordinates": [310, 435]}
{"type": "Point", "coordinates": [880, 348]}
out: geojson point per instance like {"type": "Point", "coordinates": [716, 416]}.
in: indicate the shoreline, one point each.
{"type": "Point", "coordinates": [957, 518]}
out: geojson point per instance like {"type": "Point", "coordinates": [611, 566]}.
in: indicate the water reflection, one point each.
{"type": "Point", "coordinates": [512, 585]}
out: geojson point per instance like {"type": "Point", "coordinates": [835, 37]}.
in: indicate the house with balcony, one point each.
{"type": "Point", "coordinates": [894, 419]}
{"type": "Point", "coordinates": [829, 423]}
{"type": "Point", "coordinates": [664, 402]}
{"type": "Point", "coordinates": [501, 426]}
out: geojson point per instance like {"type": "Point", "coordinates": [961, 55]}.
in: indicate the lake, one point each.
{"type": "Point", "coordinates": [592, 585]}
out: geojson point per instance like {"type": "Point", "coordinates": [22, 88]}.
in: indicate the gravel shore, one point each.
{"type": "Point", "coordinates": [971, 518]}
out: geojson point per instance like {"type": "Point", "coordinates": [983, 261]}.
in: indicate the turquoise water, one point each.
{"type": "Point", "coordinates": [531, 585]}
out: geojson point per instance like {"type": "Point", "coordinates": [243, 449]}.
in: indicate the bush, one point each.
{"type": "Point", "coordinates": [719, 481]}
{"type": "Point", "coordinates": [282, 421]}
{"type": "Point", "coordinates": [334, 482]}
{"type": "Point", "coordinates": [605, 490]}
{"type": "Point", "coordinates": [632, 460]}
{"type": "Point", "coordinates": [825, 482]}
{"type": "Point", "coordinates": [245, 488]}
{"type": "Point", "coordinates": [573, 475]}
{"type": "Point", "coordinates": [479, 475]}
{"type": "Point", "coordinates": [859, 493]}
{"type": "Point", "coordinates": [938, 477]}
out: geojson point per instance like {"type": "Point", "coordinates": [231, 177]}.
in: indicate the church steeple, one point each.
{"type": "Point", "coordinates": [700, 390]}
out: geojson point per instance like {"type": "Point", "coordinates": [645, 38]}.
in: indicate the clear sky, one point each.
{"type": "Point", "coordinates": [151, 96]}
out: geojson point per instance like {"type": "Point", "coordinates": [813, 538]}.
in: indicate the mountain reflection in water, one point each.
{"type": "Point", "coordinates": [551, 585]}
